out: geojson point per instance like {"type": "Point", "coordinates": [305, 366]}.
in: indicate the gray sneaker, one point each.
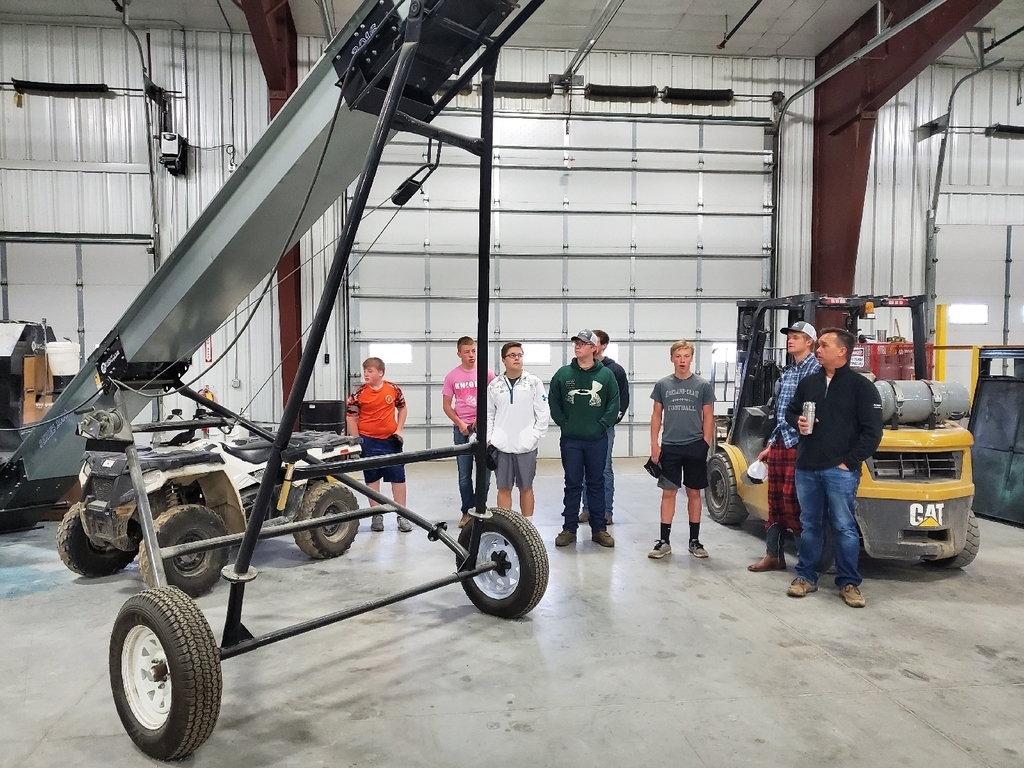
{"type": "Point", "coordinates": [377, 523]}
{"type": "Point", "coordinates": [404, 525]}
{"type": "Point", "coordinates": [697, 549]}
{"type": "Point", "coordinates": [661, 548]}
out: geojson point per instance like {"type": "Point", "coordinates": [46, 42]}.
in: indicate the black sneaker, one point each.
{"type": "Point", "coordinates": [697, 549]}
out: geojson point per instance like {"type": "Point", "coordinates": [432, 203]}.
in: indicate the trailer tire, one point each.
{"type": "Point", "coordinates": [165, 673]}
{"type": "Point", "coordinates": [321, 499]}
{"type": "Point", "coordinates": [724, 503]}
{"type": "Point", "coordinates": [966, 555]}
{"type": "Point", "coordinates": [197, 574]}
{"type": "Point", "coordinates": [83, 557]}
{"type": "Point", "coordinates": [510, 536]}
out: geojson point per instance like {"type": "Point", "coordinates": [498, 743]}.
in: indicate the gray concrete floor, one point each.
{"type": "Point", "coordinates": [625, 662]}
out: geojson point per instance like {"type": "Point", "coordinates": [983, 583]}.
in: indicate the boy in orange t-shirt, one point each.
{"type": "Point", "coordinates": [376, 412]}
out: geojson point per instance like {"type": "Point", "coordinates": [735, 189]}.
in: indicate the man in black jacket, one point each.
{"type": "Point", "coordinates": [621, 379]}
{"type": "Point", "coordinates": [847, 429]}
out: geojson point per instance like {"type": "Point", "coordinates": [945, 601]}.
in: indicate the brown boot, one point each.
{"type": "Point", "coordinates": [769, 563]}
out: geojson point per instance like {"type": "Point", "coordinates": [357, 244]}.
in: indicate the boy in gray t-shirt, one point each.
{"type": "Point", "coordinates": [683, 405]}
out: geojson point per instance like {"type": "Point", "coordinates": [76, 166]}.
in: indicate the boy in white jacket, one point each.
{"type": "Point", "coordinates": [517, 418]}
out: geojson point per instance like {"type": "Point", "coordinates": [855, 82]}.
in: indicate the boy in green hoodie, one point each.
{"type": "Point", "coordinates": [584, 401]}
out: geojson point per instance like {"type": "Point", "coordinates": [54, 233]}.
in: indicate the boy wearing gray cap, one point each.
{"type": "Point", "coordinates": [584, 401]}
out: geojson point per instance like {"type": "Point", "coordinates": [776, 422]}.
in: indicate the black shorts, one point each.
{"type": "Point", "coordinates": [684, 465]}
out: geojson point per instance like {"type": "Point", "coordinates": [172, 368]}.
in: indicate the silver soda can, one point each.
{"type": "Point", "coordinates": [809, 415]}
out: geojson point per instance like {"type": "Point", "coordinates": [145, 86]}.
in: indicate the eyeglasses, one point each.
{"type": "Point", "coordinates": [515, 355]}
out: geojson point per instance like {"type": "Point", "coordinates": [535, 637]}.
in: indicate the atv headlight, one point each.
{"type": "Point", "coordinates": [83, 474]}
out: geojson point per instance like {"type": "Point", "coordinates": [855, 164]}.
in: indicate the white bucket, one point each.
{"type": "Point", "coordinates": [62, 357]}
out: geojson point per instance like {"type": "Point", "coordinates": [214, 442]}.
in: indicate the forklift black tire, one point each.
{"type": "Point", "coordinates": [83, 557]}
{"type": "Point", "coordinates": [722, 497]}
{"type": "Point", "coordinates": [196, 574]}
{"type": "Point", "coordinates": [165, 673]}
{"type": "Point", "coordinates": [968, 553]}
{"type": "Point", "coordinates": [321, 499]}
{"type": "Point", "coordinates": [509, 537]}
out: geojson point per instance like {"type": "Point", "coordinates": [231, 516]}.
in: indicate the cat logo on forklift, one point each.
{"type": "Point", "coordinates": [926, 515]}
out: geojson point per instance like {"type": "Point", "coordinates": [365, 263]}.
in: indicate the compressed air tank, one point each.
{"type": "Point", "coordinates": [915, 402]}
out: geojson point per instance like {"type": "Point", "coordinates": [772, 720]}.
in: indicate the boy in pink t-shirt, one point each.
{"type": "Point", "coordinates": [459, 403]}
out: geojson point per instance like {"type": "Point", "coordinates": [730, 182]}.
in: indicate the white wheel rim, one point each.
{"type": "Point", "coordinates": [492, 583]}
{"type": "Point", "coordinates": [146, 677]}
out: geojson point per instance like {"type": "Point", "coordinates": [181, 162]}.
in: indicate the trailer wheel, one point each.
{"type": "Point", "coordinates": [195, 574]}
{"type": "Point", "coordinates": [80, 555]}
{"type": "Point", "coordinates": [517, 586]}
{"type": "Point", "coordinates": [322, 499]}
{"type": "Point", "coordinates": [968, 553]}
{"type": "Point", "coordinates": [724, 503]}
{"type": "Point", "coordinates": [165, 673]}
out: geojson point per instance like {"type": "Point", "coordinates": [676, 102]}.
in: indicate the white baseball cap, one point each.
{"type": "Point", "coordinates": [801, 327]}
{"type": "Point", "coordinates": [758, 471]}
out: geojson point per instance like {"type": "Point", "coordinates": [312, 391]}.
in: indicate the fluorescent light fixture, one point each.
{"type": "Point", "coordinates": [999, 131]}
{"type": "Point", "coordinates": [536, 354]}
{"type": "Point", "coordinates": [392, 354]}
{"type": "Point", "coordinates": [967, 314]}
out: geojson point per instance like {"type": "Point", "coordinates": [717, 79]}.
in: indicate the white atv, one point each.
{"type": "Point", "coordinates": [199, 490]}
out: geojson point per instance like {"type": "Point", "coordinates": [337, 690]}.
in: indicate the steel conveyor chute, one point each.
{"type": "Point", "coordinates": [315, 147]}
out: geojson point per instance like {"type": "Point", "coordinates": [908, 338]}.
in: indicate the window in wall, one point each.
{"type": "Point", "coordinates": [967, 314]}
{"type": "Point", "coordinates": [536, 354]}
{"type": "Point", "coordinates": [392, 354]}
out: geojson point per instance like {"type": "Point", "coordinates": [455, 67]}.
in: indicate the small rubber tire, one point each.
{"type": "Point", "coordinates": [195, 575]}
{"type": "Point", "coordinates": [83, 557]}
{"type": "Point", "coordinates": [722, 497]}
{"type": "Point", "coordinates": [966, 555]}
{"type": "Point", "coordinates": [321, 499]}
{"type": "Point", "coordinates": [165, 673]}
{"type": "Point", "coordinates": [516, 593]}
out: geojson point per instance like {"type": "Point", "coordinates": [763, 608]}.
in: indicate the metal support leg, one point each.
{"type": "Point", "coordinates": [483, 298]}
{"type": "Point", "coordinates": [318, 327]}
{"type": "Point", "coordinates": [149, 540]}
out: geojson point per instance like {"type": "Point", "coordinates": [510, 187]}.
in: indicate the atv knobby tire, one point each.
{"type": "Point", "coordinates": [322, 499]}
{"type": "Point", "coordinates": [195, 574]}
{"type": "Point", "coordinates": [722, 497]}
{"type": "Point", "coordinates": [509, 536]}
{"type": "Point", "coordinates": [165, 673]}
{"type": "Point", "coordinates": [80, 555]}
{"type": "Point", "coordinates": [970, 551]}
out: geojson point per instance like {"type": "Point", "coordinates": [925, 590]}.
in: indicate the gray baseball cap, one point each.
{"type": "Point", "coordinates": [587, 336]}
{"type": "Point", "coordinates": [801, 327]}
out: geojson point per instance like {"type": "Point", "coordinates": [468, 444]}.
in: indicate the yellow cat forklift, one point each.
{"type": "Point", "coordinates": [916, 492]}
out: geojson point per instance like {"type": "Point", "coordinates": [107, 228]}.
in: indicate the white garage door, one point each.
{"type": "Point", "coordinates": [648, 229]}
{"type": "Point", "coordinates": [81, 289]}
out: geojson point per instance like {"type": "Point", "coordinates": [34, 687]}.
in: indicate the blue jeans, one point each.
{"type": "Point", "coordinates": [828, 496]}
{"type": "Point", "coordinates": [584, 459]}
{"type": "Point", "coordinates": [609, 477]}
{"type": "Point", "coordinates": [465, 462]}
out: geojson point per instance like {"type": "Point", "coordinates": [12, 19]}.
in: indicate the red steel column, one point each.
{"type": "Point", "coordinates": [845, 108]}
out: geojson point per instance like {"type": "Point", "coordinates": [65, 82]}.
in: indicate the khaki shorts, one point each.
{"type": "Point", "coordinates": [516, 469]}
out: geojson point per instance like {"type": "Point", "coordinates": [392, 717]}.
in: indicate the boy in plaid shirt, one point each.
{"type": "Point", "coordinates": [780, 452]}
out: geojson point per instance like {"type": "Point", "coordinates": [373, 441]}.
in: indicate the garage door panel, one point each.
{"type": "Point", "coordinates": [454, 276]}
{"type": "Point", "coordinates": [733, 234]}
{"type": "Point", "coordinates": [667, 234]}
{"type": "Point", "coordinates": [599, 277]}
{"type": "Point", "coordinates": [718, 320]}
{"type": "Point", "coordinates": [529, 132]}
{"type": "Point", "coordinates": [380, 318]}
{"type": "Point", "coordinates": [732, 277]}
{"type": "Point", "coordinates": [455, 231]}
{"type": "Point", "coordinates": [600, 133]}
{"type": "Point", "coordinates": [390, 274]}
{"type": "Point", "coordinates": [665, 277]}
{"type": "Point", "coordinates": [451, 319]}
{"type": "Point", "coordinates": [667, 191]}
{"type": "Point", "coordinates": [667, 136]}
{"type": "Point", "coordinates": [600, 189]}
{"type": "Point", "coordinates": [448, 186]}
{"type": "Point", "coordinates": [405, 231]}
{"type": "Point", "coordinates": [116, 265]}
{"type": "Point", "coordinates": [533, 189]}
{"type": "Point", "coordinates": [665, 320]}
{"type": "Point", "coordinates": [530, 319]}
{"type": "Point", "coordinates": [733, 137]}
{"type": "Point", "coordinates": [536, 277]}
{"type": "Point", "coordinates": [599, 234]}
{"type": "Point", "coordinates": [744, 194]}
{"type": "Point", "coordinates": [610, 316]}
{"type": "Point", "coordinates": [530, 231]}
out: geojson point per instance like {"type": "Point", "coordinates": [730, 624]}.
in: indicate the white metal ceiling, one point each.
{"type": "Point", "coordinates": [776, 27]}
